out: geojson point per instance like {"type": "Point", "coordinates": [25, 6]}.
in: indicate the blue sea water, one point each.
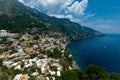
{"type": "Point", "coordinates": [103, 51]}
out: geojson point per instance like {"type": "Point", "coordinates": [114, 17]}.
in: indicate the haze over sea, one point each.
{"type": "Point", "coordinates": [103, 51]}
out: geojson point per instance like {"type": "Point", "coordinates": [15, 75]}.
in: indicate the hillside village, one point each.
{"type": "Point", "coordinates": [34, 57]}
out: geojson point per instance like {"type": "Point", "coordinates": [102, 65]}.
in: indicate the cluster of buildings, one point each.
{"type": "Point", "coordinates": [42, 64]}
{"type": "Point", "coordinates": [24, 52]}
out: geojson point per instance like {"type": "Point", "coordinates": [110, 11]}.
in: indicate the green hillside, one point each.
{"type": "Point", "coordinates": [16, 17]}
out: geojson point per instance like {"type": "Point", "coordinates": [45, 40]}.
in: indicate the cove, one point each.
{"type": "Point", "coordinates": [103, 51]}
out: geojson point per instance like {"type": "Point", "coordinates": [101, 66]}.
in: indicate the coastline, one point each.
{"type": "Point", "coordinates": [75, 64]}
{"type": "Point", "coordinates": [97, 54]}
{"type": "Point", "coordinates": [79, 39]}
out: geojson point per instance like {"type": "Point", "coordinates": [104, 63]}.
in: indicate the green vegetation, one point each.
{"type": "Point", "coordinates": [115, 76]}
{"type": "Point", "coordinates": [70, 75]}
{"type": "Point", "coordinates": [55, 54]}
{"type": "Point", "coordinates": [16, 17]}
{"type": "Point", "coordinates": [93, 72]}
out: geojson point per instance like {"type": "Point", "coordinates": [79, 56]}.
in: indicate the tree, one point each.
{"type": "Point", "coordinates": [115, 76]}
{"type": "Point", "coordinates": [70, 75]}
{"type": "Point", "coordinates": [94, 72]}
{"type": "Point", "coordinates": [1, 62]}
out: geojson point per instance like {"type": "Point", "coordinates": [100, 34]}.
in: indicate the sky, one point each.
{"type": "Point", "coordinates": [102, 15]}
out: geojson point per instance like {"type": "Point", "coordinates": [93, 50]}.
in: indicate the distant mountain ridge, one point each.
{"type": "Point", "coordinates": [16, 17]}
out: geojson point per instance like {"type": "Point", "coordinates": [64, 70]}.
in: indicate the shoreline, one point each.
{"type": "Point", "coordinates": [96, 56]}
{"type": "Point", "coordinates": [77, 65]}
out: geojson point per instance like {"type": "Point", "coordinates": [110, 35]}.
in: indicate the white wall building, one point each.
{"type": "Point", "coordinates": [18, 77]}
{"type": "Point", "coordinates": [4, 33]}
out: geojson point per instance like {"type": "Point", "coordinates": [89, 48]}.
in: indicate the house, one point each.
{"type": "Point", "coordinates": [52, 72]}
{"type": "Point", "coordinates": [18, 77]}
{"type": "Point", "coordinates": [14, 35]}
{"type": "Point", "coordinates": [29, 50]}
{"type": "Point", "coordinates": [2, 46]}
{"type": "Point", "coordinates": [47, 78]}
{"type": "Point", "coordinates": [35, 74]}
{"type": "Point", "coordinates": [3, 33]}
{"type": "Point", "coordinates": [25, 77]}
{"type": "Point", "coordinates": [8, 63]}
{"type": "Point", "coordinates": [4, 55]}
{"type": "Point", "coordinates": [26, 37]}
{"type": "Point", "coordinates": [46, 69]}
{"type": "Point", "coordinates": [18, 67]}
{"type": "Point", "coordinates": [59, 71]}
{"type": "Point", "coordinates": [21, 77]}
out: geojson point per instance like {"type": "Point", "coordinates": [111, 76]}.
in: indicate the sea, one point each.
{"type": "Point", "coordinates": [103, 51]}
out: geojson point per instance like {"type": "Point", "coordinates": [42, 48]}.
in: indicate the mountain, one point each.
{"type": "Point", "coordinates": [16, 17]}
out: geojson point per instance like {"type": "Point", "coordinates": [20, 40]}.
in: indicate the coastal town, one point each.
{"type": "Point", "coordinates": [34, 57]}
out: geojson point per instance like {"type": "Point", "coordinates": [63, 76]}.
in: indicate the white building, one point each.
{"type": "Point", "coordinates": [59, 71]}
{"type": "Point", "coordinates": [18, 77]}
{"type": "Point", "coordinates": [4, 33]}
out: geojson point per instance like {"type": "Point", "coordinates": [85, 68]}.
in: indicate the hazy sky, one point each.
{"type": "Point", "coordinates": [102, 15]}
